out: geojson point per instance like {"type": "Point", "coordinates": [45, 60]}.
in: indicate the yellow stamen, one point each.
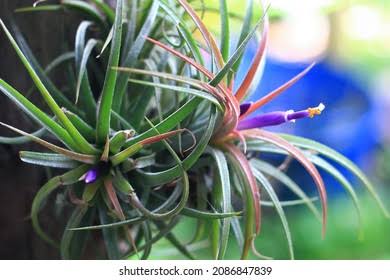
{"type": "Point", "coordinates": [316, 110]}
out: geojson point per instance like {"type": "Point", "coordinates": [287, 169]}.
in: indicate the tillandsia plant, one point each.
{"type": "Point", "coordinates": [151, 130]}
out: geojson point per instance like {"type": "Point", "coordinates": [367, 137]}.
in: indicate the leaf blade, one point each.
{"type": "Point", "coordinates": [105, 105]}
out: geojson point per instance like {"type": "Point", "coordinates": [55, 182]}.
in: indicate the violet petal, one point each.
{"type": "Point", "coordinates": [244, 107]}
{"type": "Point", "coordinates": [278, 117]}
{"type": "Point", "coordinates": [297, 115]}
{"type": "Point", "coordinates": [91, 175]}
{"type": "Point", "coordinates": [269, 119]}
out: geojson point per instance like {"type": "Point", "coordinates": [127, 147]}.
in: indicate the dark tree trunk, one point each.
{"type": "Point", "coordinates": [45, 33]}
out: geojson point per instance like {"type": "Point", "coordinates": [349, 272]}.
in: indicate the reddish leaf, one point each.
{"type": "Point", "coordinates": [253, 200]}
{"type": "Point", "coordinates": [187, 59]}
{"type": "Point", "coordinates": [264, 100]}
{"type": "Point", "coordinates": [118, 209]}
{"type": "Point", "coordinates": [298, 155]}
{"type": "Point", "coordinates": [70, 154]}
{"type": "Point", "coordinates": [211, 42]}
{"type": "Point", "coordinates": [232, 110]}
{"type": "Point", "coordinates": [244, 164]}
{"type": "Point", "coordinates": [246, 83]}
{"type": "Point", "coordinates": [113, 198]}
{"type": "Point", "coordinates": [161, 136]}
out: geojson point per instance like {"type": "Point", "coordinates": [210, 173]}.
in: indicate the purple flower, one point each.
{"type": "Point", "coordinates": [277, 117]}
{"type": "Point", "coordinates": [91, 175]}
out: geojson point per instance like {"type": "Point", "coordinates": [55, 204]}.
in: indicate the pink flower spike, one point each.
{"type": "Point", "coordinates": [278, 117]}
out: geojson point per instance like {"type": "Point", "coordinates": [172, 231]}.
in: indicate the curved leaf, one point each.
{"type": "Point", "coordinates": [275, 200]}
{"type": "Point", "coordinates": [251, 192]}
{"type": "Point", "coordinates": [283, 178]}
{"type": "Point", "coordinates": [21, 139]}
{"type": "Point", "coordinates": [223, 194]}
{"type": "Point", "coordinates": [68, 178]}
{"type": "Point", "coordinates": [337, 157]}
{"type": "Point", "coordinates": [70, 154]}
{"type": "Point", "coordinates": [149, 179]}
{"type": "Point", "coordinates": [298, 155]}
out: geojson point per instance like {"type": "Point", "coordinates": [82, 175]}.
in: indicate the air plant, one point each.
{"type": "Point", "coordinates": [152, 130]}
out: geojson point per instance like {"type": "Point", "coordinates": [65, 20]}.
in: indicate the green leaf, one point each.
{"type": "Point", "coordinates": [236, 227]}
{"type": "Point", "coordinates": [105, 105]}
{"type": "Point", "coordinates": [201, 204]}
{"type": "Point", "coordinates": [145, 161]}
{"type": "Point", "coordinates": [62, 58]}
{"type": "Point", "coordinates": [247, 183]}
{"type": "Point", "coordinates": [132, 56]}
{"type": "Point", "coordinates": [36, 114]}
{"type": "Point", "coordinates": [142, 95]}
{"type": "Point", "coordinates": [185, 189]}
{"type": "Point", "coordinates": [82, 53]}
{"type": "Point", "coordinates": [236, 55]}
{"type": "Point", "coordinates": [198, 93]}
{"type": "Point", "coordinates": [207, 36]}
{"type": "Point", "coordinates": [222, 192]}
{"type": "Point", "coordinates": [213, 231]}
{"type": "Point", "coordinates": [70, 154]}
{"type": "Point", "coordinates": [200, 214]}
{"type": "Point", "coordinates": [90, 191]}
{"type": "Point", "coordinates": [181, 79]}
{"type": "Point", "coordinates": [154, 215]}
{"type": "Point", "coordinates": [85, 129]}
{"type": "Point", "coordinates": [168, 123]}
{"type": "Point", "coordinates": [271, 170]}
{"type": "Point", "coordinates": [48, 159]}
{"type": "Point", "coordinates": [185, 33]}
{"type": "Point", "coordinates": [85, 8]}
{"type": "Point", "coordinates": [21, 139]}
{"type": "Point", "coordinates": [39, 8]}
{"type": "Point", "coordinates": [344, 183]}
{"type": "Point", "coordinates": [194, 213]}
{"type": "Point", "coordinates": [225, 32]}
{"type": "Point", "coordinates": [67, 178]}
{"type": "Point", "coordinates": [82, 143]}
{"type": "Point", "coordinates": [337, 157]}
{"type": "Point", "coordinates": [287, 203]}
{"type": "Point", "coordinates": [55, 92]}
{"type": "Point", "coordinates": [110, 235]}
{"type": "Point", "coordinates": [297, 154]}
{"type": "Point", "coordinates": [110, 224]}
{"type": "Point", "coordinates": [121, 120]}
{"type": "Point", "coordinates": [106, 42]}
{"type": "Point", "coordinates": [162, 233]}
{"type": "Point", "coordinates": [272, 194]}
{"type": "Point", "coordinates": [125, 154]}
{"type": "Point", "coordinates": [148, 179]}
{"type": "Point", "coordinates": [83, 75]}
{"type": "Point", "coordinates": [80, 42]}
{"type": "Point", "coordinates": [121, 184]}
{"type": "Point", "coordinates": [118, 140]}
{"type": "Point", "coordinates": [190, 212]}
{"type": "Point", "coordinates": [69, 238]}
{"type": "Point", "coordinates": [245, 29]}
{"type": "Point", "coordinates": [106, 9]}
{"type": "Point", "coordinates": [147, 234]}
{"type": "Point", "coordinates": [131, 26]}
